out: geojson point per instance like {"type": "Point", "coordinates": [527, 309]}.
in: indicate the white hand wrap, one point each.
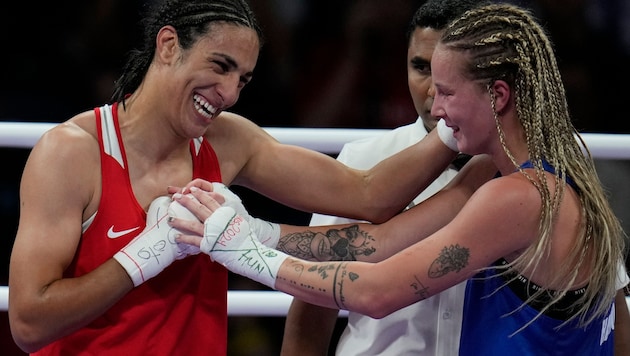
{"type": "Point", "coordinates": [446, 135]}
{"type": "Point", "coordinates": [229, 241]}
{"type": "Point", "coordinates": [268, 233]}
{"type": "Point", "coordinates": [155, 248]}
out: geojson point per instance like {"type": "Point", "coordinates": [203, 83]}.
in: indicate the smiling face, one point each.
{"type": "Point", "coordinates": [464, 104]}
{"type": "Point", "coordinates": [419, 53]}
{"type": "Point", "coordinates": [208, 78]}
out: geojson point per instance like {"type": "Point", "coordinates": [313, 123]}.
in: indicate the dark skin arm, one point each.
{"type": "Point", "coordinates": [308, 329]}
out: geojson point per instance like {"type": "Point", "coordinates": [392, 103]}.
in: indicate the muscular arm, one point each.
{"type": "Point", "coordinates": [314, 182]}
{"type": "Point", "coordinates": [56, 188]}
{"type": "Point", "coordinates": [365, 242]}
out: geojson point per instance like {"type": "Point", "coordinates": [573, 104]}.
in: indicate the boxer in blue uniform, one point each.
{"type": "Point", "coordinates": [497, 85]}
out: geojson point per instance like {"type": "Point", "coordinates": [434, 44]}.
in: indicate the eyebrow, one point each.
{"type": "Point", "coordinates": [232, 64]}
{"type": "Point", "coordinates": [420, 60]}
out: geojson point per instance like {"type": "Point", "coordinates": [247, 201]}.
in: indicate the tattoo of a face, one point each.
{"type": "Point", "coordinates": [335, 245]}
{"type": "Point", "coordinates": [452, 258]}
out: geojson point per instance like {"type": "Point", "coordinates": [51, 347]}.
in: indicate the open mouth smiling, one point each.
{"type": "Point", "coordinates": [203, 107]}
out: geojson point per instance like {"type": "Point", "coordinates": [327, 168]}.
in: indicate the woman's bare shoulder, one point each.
{"type": "Point", "coordinates": [78, 128]}
{"type": "Point", "coordinates": [70, 148]}
{"type": "Point", "coordinates": [513, 189]}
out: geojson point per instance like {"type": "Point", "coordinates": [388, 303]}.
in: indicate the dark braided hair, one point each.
{"type": "Point", "coordinates": [191, 19]}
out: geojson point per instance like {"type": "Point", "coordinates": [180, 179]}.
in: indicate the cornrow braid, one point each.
{"type": "Point", "coordinates": [504, 42]}
{"type": "Point", "coordinates": [191, 19]}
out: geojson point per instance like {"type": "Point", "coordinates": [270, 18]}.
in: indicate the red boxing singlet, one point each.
{"type": "Point", "coordinates": [181, 311]}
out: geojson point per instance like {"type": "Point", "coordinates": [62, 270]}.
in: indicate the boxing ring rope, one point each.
{"type": "Point", "coordinates": [608, 146]}
{"type": "Point", "coordinates": [330, 141]}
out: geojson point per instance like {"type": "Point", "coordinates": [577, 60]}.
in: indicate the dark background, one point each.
{"type": "Point", "coordinates": [325, 64]}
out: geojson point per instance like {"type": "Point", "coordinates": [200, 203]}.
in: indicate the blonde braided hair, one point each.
{"type": "Point", "coordinates": [504, 42]}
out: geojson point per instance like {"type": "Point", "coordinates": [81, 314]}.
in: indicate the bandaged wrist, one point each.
{"type": "Point", "coordinates": [268, 233]}
{"type": "Point", "coordinates": [229, 240]}
{"type": "Point", "coordinates": [155, 247]}
{"type": "Point", "coordinates": [446, 135]}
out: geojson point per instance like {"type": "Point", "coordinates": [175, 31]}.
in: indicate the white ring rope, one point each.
{"type": "Point", "coordinates": [272, 303]}
{"type": "Point", "coordinates": [25, 135]}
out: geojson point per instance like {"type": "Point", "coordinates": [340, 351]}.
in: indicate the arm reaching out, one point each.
{"type": "Point", "coordinates": [341, 242]}
{"type": "Point", "coordinates": [444, 258]}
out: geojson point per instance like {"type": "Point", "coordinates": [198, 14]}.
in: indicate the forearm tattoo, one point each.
{"type": "Point", "coordinates": [326, 270]}
{"type": "Point", "coordinates": [334, 245]}
{"type": "Point", "coordinates": [451, 258]}
{"type": "Point", "coordinates": [420, 289]}
{"type": "Point", "coordinates": [341, 276]}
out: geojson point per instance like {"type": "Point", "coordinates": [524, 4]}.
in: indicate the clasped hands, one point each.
{"type": "Point", "coordinates": [202, 200]}
{"type": "Point", "coordinates": [175, 228]}
{"type": "Point", "coordinates": [228, 234]}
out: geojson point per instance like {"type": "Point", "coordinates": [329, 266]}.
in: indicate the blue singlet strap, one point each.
{"type": "Point", "coordinates": [549, 168]}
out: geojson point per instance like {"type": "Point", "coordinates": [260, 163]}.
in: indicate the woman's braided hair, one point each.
{"type": "Point", "coordinates": [504, 42]}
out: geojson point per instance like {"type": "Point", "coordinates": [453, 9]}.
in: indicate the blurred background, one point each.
{"type": "Point", "coordinates": [325, 63]}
